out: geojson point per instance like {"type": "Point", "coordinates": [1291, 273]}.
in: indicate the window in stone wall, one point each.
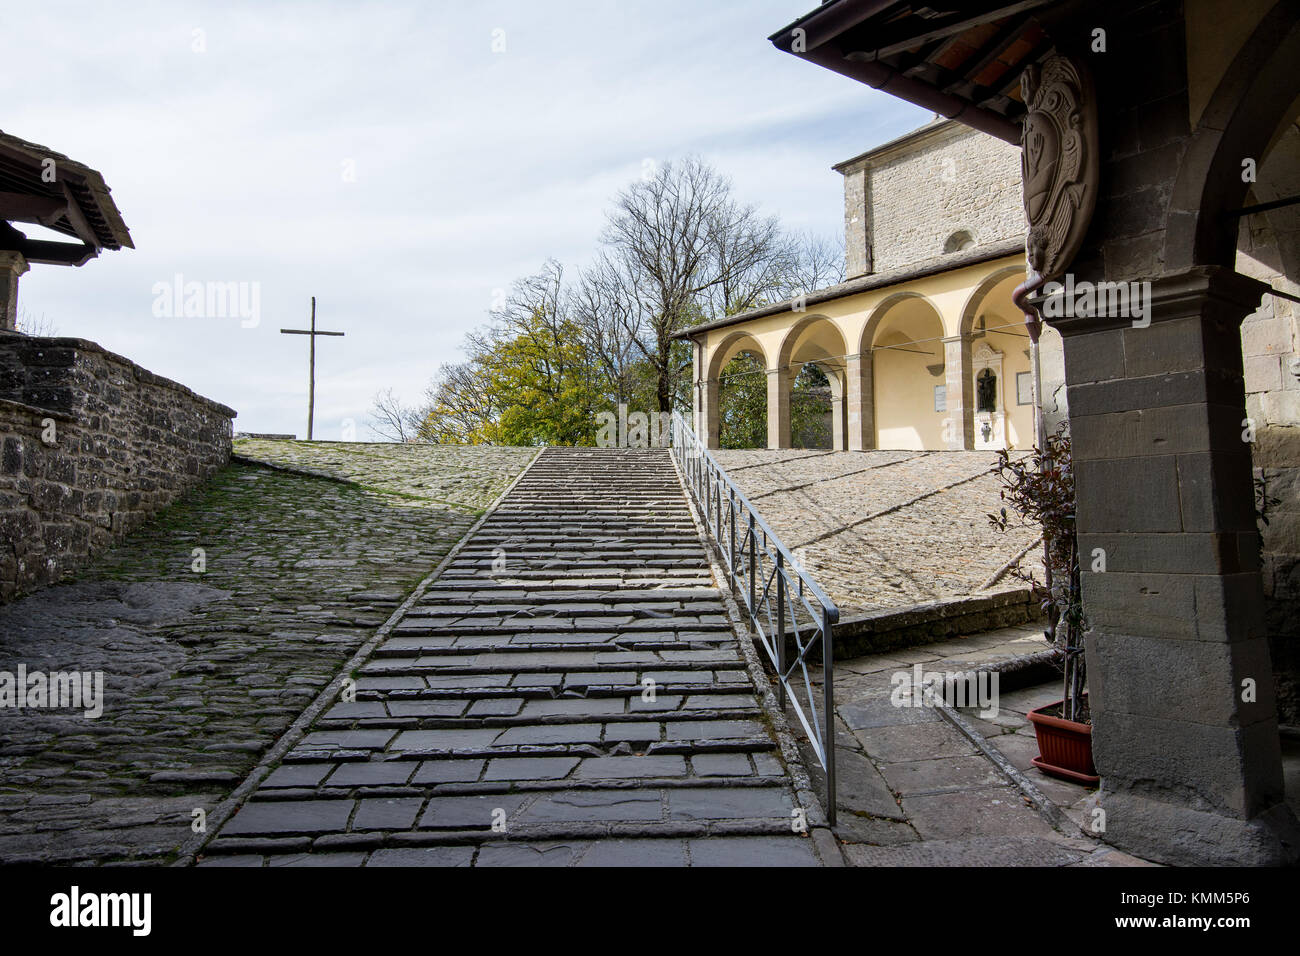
{"type": "Point", "coordinates": [959, 241]}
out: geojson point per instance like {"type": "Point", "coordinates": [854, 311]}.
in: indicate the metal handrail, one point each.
{"type": "Point", "coordinates": [780, 597]}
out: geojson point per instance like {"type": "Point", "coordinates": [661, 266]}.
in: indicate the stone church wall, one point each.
{"type": "Point", "coordinates": [91, 445]}
{"type": "Point", "coordinates": [1268, 249]}
{"type": "Point", "coordinates": [906, 200]}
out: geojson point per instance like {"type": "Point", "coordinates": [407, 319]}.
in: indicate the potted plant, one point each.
{"type": "Point", "coordinates": [1039, 489]}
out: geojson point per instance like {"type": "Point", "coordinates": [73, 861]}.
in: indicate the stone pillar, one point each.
{"type": "Point", "coordinates": [12, 265]}
{"type": "Point", "coordinates": [837, 410]}
{"type": "Point", "coordinates": [778, 408]}
{"type": "Point", "coordinates": [1191, 771]}
{"type": "Point", "coordinates": [960, 386]}
{"type": "Point", "coordinates": [860, 398]}
{"type": "Point", "coordinates": [709, 427]}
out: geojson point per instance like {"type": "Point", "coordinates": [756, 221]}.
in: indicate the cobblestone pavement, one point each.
{"type": "Point", "coordinates": [916, 791]}
{"type": "Point", "coordinates": [423, 474]}
{"type": "Point", "coordinates": [202, 672]}
{"type": "Point", "coordinates": [883, 529]}
{"type": "Point", "coordinates": [567, 692]}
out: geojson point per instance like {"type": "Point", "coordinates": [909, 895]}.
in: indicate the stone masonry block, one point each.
{"type": "Point", "coordinates": [1128, 495]}
{"type": "Point", "coordinates": [1263, 373]}
{"type": "Point", "coordinates": [1181, 762]}
{"type": "Point", "coordinates": [1189, 607]}
{"type": "Point", "coordinates": [1178, 680]}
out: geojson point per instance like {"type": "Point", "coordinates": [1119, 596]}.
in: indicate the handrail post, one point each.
{"type": "Point", "coordinates": [717, 504]}
{"type": "Point", "coordinates": [828, 725]}
{"type": "Point", "coordinates": [753, 555]}
{"type": "Point", "coordinates": [780, 628]}
{"type": "Point", "coordinates": [731, 520]}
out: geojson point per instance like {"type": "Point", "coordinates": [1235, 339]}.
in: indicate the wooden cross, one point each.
{"type": "Point", "coordinates": [311, 381]}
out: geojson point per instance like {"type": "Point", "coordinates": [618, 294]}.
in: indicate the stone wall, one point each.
{"type": "Point", "coordinates": [91, 445]}
{"type": "Point", "coordinates": [1268, 249]}
{"type": "Point", "coordinates": [905, 201]}
{"type": "Point", "coordinates": [1190, 765]}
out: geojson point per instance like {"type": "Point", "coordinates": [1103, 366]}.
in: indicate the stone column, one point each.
{"type": "Point", "coordinates": [709, 426]}
{"type": "Point", "coordinates": [960, 386]}
{"type": "Point", "coordinates": [12, 265]}
{"type": "Point", "coordinates": [1185, 734]}
{"type": "Point", "coordinates": [778, 408]}
{"type": "Point", "coordinates": [860, 401]}
{"type": "Point", "coordinates": [837, 409]}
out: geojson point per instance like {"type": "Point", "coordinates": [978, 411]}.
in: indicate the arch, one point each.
{"type": "Point", "coordinates": [813, 340]}
{"type": "Point", "coordinates": [909, 370]}
{"type": "Point", "coordinates": [980, 294]}
{"type": "Point", "coordinates": [810, 335]}
{"type": "Point", "coordinates": [1239, 122]}
{"type": "Point", "coordinates": [742, 400]}
{"type": "Point", "coordinates": [729, 348]}
{"type": "Point", "coordinates": [880, 311]}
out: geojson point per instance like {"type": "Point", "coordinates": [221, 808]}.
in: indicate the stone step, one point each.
{"type": "Point", "coordinates": [487, 774]}
{"type": "Point", "coordinates": [516, 697]}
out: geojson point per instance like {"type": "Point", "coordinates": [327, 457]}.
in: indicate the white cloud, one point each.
{"type": "Point", "coordinates": [471, 168]}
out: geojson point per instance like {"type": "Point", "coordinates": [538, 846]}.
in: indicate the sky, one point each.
{"type": "Point", "coordinates": [403, 162]}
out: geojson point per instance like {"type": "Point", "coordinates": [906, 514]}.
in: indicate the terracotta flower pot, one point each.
{"type": "Point", "coordinates": [1064, 746]}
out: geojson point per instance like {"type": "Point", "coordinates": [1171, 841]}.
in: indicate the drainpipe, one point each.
{"type": "Point", "coordinates": [1034, 326]}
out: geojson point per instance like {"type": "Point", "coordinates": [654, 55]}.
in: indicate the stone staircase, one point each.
{"type": "Point", "coordinates": [568, 691]}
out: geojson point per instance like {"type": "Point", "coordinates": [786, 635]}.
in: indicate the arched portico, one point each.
{"type": "Point", "coordinates": [813, 340]}
{"type": "Point", "coordinates": [707, 391]}
{"type": "Point", "coordinates": [903, 341]}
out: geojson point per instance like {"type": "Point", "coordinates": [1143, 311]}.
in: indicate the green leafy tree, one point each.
{"type": "Point", "coordinates": [742, 403]}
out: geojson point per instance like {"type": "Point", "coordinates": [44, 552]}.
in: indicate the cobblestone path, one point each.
{"type": "Point", "coordinates": [883, 529]}
{"type": "Point", "coordinates": [205, 671]}
{"type": "Point", "coordinates": [567, 692]}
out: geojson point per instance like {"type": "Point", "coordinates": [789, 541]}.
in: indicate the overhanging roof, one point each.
{"type": "Point", "coordinates": [880, 280]}
{"type": "Point", "coordinates": [959, 58]}
{"type": "Point", "coordinates": [39, 185]}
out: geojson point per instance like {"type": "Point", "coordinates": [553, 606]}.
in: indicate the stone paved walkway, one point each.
{"type": "Point", "coordinates": [567, 692]}
{"type": "Point", "coordinates": [203, 672]}
{"type": "Point", "coordinates": [915, 791]}
{"type": "Point", "coordinates": [456, 476]}
{"type": "Point", "coordinates": [882, 529]}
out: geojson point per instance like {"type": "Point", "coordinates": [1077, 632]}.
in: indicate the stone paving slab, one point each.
{"type": "Point", "coordinates": [883, 529]}
{"type": "Point", "coordinates": [915, 791]}
{"type": "Point", "coordinates": [568, 692]}
{"type": "Point", "coordinates": [204, 671]}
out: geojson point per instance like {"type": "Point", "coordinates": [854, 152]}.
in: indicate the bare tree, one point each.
{"type": "Point", "coordinates": [29, 324]}
{"type": "Point", "coordinates": [391, 419]}
{"type": "Point", "coordinates": [607, 312]}
{"type": "Point", "coordinates": [750, 258]}
{"type": "Point", "coordinates": [812, 262]}
{"type": "Point", "coordinates": [676, 239]}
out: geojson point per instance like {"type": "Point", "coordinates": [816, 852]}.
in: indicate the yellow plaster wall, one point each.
{"type": "Point", "coordinates": [904, 390]}
{"type": "Point", "coordinates": [948, 292]}
{"type": "Point", "coordinates": [903, 387]}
